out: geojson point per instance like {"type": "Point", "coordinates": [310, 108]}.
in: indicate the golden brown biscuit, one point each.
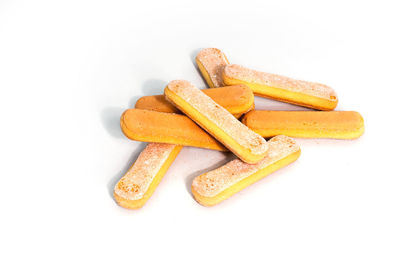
{"type": "Point", "coordinates": [217, 121]}
{"type": "Point", "coordinates": [131, 194]}
{"type": "Point", "coordinates": [237, 99]}
{"type": "Point", "coordinates": [215, 186]}
{"type": "Point", "coordinates": [170, 128]}
{"type": "Point", "coordinates": [306, 124]}
{"type": "Point", "coordinates": [211, 62]}
{"type": "Point", "coordinates": [138, 184]}
{"type": "Point", "coordinates": [151, 126]}
{"type": "Point", "coordinates": [277, 87]}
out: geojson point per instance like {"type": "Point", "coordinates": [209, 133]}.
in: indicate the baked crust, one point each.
{"type": "Point", "coordinates": [281, 88]}
{"type": "Point", "coordinates": [217, 121]}
{"type": "Point", "coordinates": [211, 62]}
{"type": "Point", "coordinates": [215, 186]}
{"type": "Point", "coordinates": [306, 124]}
{"type": "Point", "coordinates": [237, 99]}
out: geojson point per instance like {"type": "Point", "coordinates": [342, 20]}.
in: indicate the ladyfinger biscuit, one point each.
{"type": "Point", "coordinates": [237, 99]}
{"type": "Point", "coordinates": [307, 94]}
{"type": "Point", "coordinates": [170, 128]}
{"type": "Point", "coordinates": [306, 124]}
{"type": "Point", "coordinates": [139, 183]}
{"type": "Point", "coordinates": [217, 121]}
{"type": "Point", "coordinates": [215, 186]}
{"type": "Point", "coordinates": [211, 62]}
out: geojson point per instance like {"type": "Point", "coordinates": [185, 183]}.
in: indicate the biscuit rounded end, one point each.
{"type": "Point", "coordinates": [128, 204]}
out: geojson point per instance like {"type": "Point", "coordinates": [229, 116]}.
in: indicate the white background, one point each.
{"type": "Point", "coordinates": [68, 69]}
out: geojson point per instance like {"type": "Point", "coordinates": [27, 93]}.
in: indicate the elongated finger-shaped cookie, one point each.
{"type": "Point", "coordinates": [215, 186]}
{"type": "Point", "coordinates": [237, 99]}
{"type": "Point", "coordinates": [170, 128]}
{"type": "Point", "coordinates": [306, 124]}
{"type": "Point", "coordinates": [211, 62]}
{"type": "Point", "coordinates": [138, 184]}
{"type": "Point", "coordinates": [302, 93]}
{"type": "Point", "coordinates": [217, 121]}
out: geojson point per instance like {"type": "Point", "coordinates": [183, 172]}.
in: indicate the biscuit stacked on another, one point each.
{"type": "Point", "coordinates": [211, 123]}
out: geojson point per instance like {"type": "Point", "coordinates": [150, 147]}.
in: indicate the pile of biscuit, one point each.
{"type": "Point", "coordinates": [223, 118]}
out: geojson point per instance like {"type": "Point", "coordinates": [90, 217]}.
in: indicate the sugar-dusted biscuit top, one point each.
{"type": "Point", "coordinates": [237, 99]}
{"type": "Point", "coordinates": [214, 61]}
{"type": "Point", "coordinates": [219, 116]}
{"type": "Point", "coordinates": [134, 184]}
{"type": "Point", "coordinates": [214, 182]}
{"type": "Point", "coordinates": [278, 81]}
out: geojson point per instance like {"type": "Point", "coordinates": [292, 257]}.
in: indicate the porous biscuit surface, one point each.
{"type": "Point", "coordinates": [214, 62]}
{"type": "Point", "coordinates": [214, 182]}
{"type": "Point", "coordinates": [278, 81]}
{"type": "Point", "coordinates": [237, 99]}
{"type": "Point", "coordinates": [134, 184]}
{"type": "Point", "coordinates": [219, 116]}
